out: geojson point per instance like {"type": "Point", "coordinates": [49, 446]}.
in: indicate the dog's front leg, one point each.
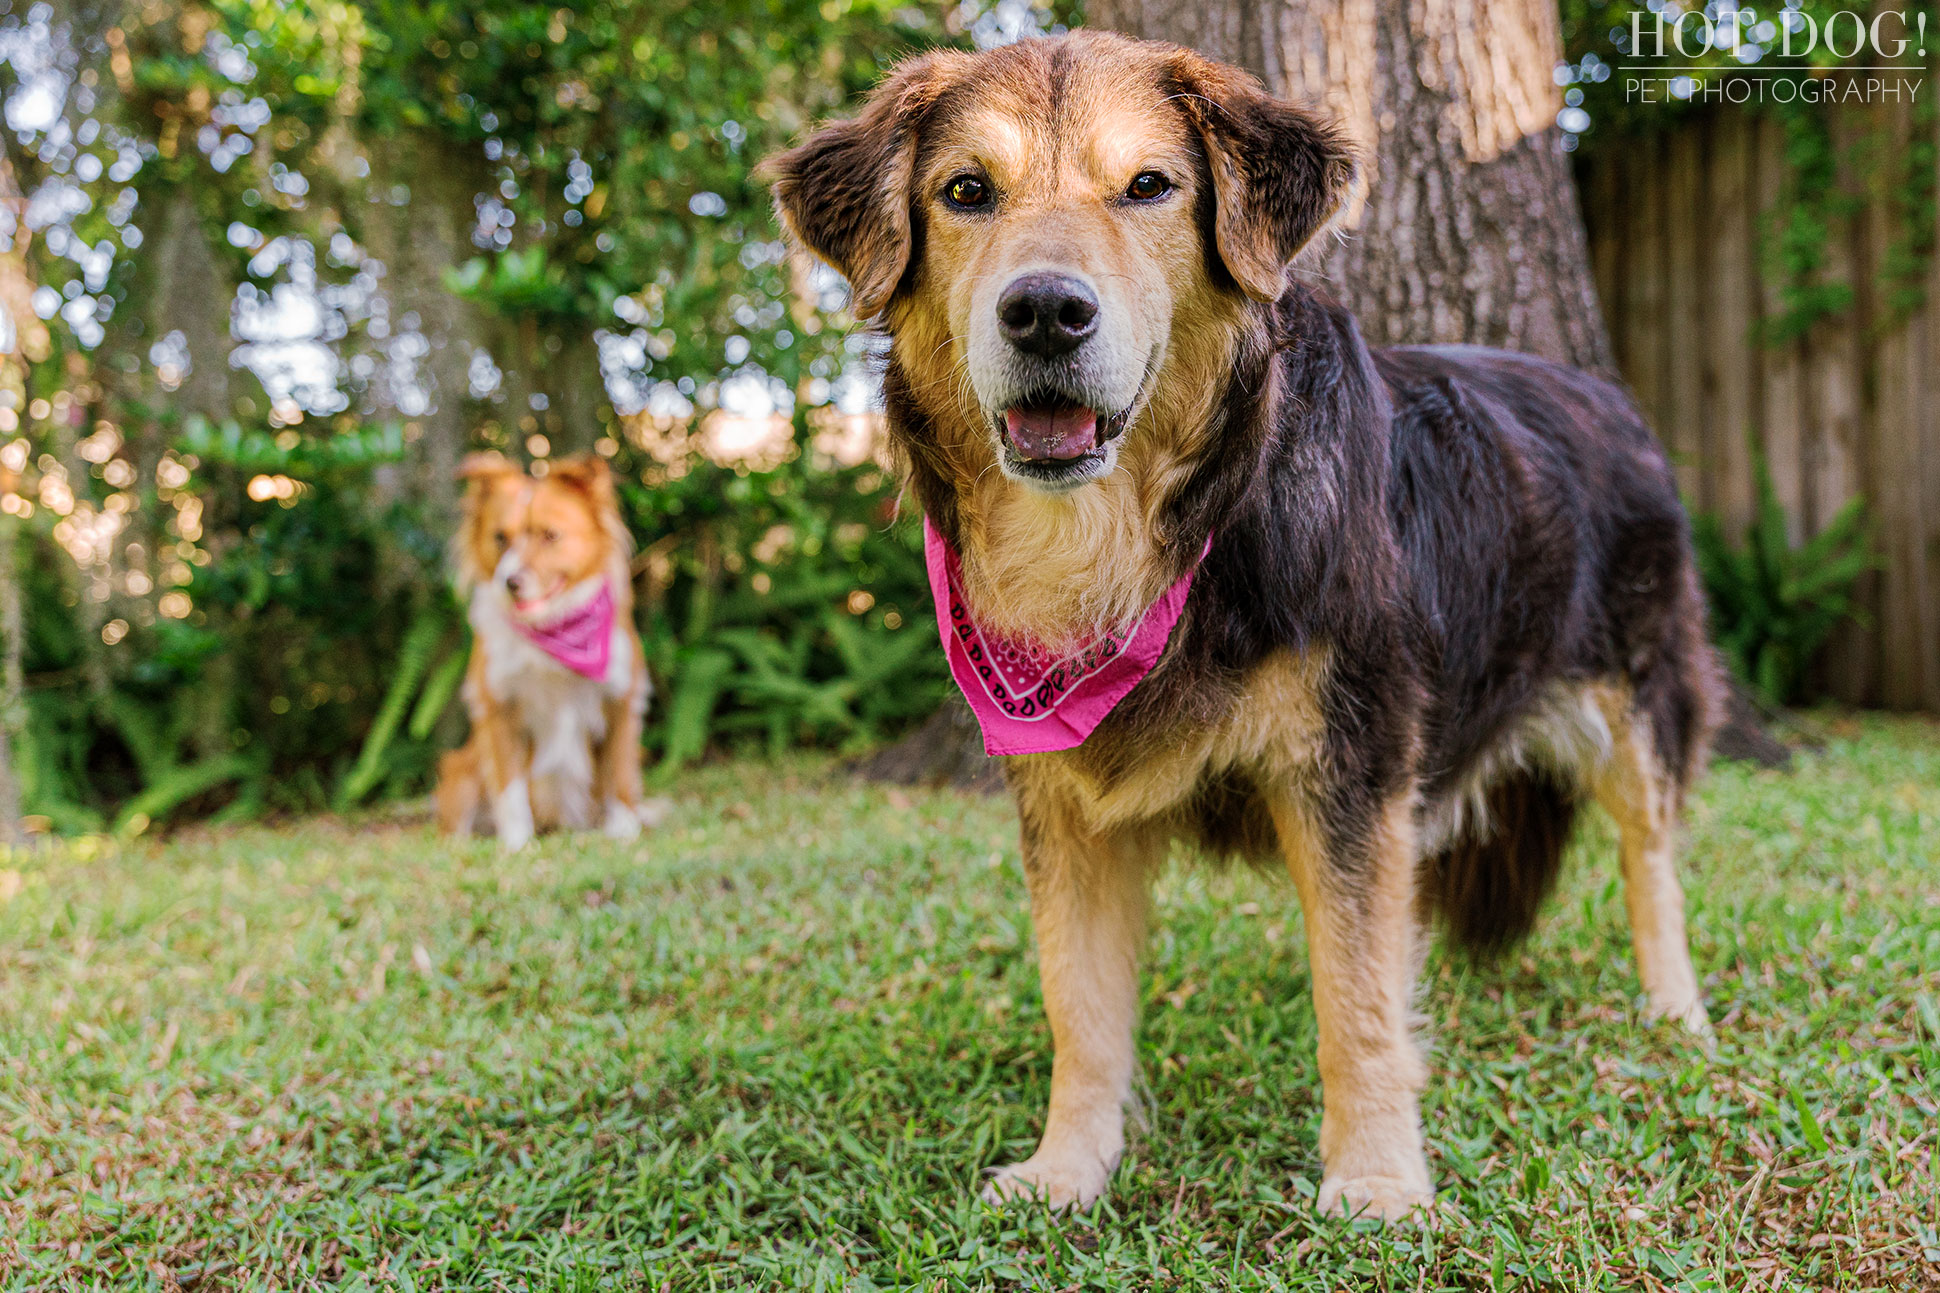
{"type": "Point", "coordinates": [1358, 903]}
{"type": "Point", "coordinates": [1088, 902]}
{"type": "Point", "coordinates": [506, 761]}
{"type": "Point", "coordinates": [617, 769]}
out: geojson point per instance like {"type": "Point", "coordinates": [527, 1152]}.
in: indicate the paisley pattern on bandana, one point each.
{"type": "Point", "coordinates": [1029, 700]}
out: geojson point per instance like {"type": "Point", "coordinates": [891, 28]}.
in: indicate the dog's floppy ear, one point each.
{"type": "Point", "coordinates": [845, 192]}
{"type": "Point", "coordinates": [588, 473]}
{"type": "Point", "coordinates": [1279, 173]}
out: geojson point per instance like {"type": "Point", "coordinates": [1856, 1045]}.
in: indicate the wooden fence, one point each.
{"type": "Point", "coordinates": [1676, 224]}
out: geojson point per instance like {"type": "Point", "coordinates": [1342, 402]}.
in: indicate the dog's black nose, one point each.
{"type": "Point", "coordinates": [1048, 315]}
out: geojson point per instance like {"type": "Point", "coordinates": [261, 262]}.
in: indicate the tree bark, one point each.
{"type": "Point", "coordinates": [947, 750]}
{"type": "Point", "coordinates": [1466, 226]}
{"type": "Point", "coordinates": [577, 392]}
{"type": "Point", "coordinates": [418, 223]}
{"type": "Point", "coordinates": [189, 291]}
{"type": "Point", "coordinates": [29, 345]}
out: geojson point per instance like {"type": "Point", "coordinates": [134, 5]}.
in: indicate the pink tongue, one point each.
{"type": "Point", "coordinates": [1066, 433]}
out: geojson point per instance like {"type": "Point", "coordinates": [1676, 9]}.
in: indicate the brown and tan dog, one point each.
{"type": "Point", "coordinates": [557, 686]}
{"type": "Point", "coordinates": [1446, 594]}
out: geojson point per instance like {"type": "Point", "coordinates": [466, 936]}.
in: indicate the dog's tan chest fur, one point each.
{"type": "Point", "coordinates": [1272, 731]}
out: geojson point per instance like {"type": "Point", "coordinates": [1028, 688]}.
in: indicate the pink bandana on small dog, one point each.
{"type": "Point", "coordinates": [581, 639]}
{"type": "Point", "coordinates": [1029, 700]}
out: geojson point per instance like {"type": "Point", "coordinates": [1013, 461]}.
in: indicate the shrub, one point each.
{"type": "Point", "coordinates": [1773, 604]}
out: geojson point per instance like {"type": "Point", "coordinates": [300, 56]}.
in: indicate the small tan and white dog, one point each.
{"type": "Point", "coordinates": [557, 686]}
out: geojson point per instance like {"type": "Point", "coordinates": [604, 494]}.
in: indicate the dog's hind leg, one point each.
{"type": "Point", "coordinates": [1362, 933]}
{"type": "Point", "coordinates": [1088, 905]}
{"type": "Point", "coordinates": [1637, 790]}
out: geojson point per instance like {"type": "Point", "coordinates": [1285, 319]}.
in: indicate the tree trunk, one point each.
{"type": "Point", "coordinates": [28, 340]}
{"type": "Point", "coordinates": [192, 293]}
{"type": "Point", "coordinates": [577, 392]}
{"type": "Point", "coordinates": [418, 223]}
{"type": "Point", "coordinates": [182, 287]}
{"type": "Point", "coordinates": [947, 750]}
{"type": "Point", "coordinates": [1467, 227]}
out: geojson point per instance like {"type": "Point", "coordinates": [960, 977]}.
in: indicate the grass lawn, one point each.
{"type": "Point", "coordinates": [775, 1047]}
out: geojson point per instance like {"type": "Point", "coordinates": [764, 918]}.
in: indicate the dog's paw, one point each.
{"type": "Point", "coordinates": [1060, 1186]}
{"type": "Point", "coordinates": [622, 821]}
{"type": "Point", "coordinates": [512, 817]}
{"type": "Point", "coordinates": [1691, 1014]}
{"type": "Point", "coordinates": [1377, 1198]}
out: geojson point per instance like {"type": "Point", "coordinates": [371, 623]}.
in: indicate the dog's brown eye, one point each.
{"type": "Point", "coordinates": [1147, 185]}
{"type": "Point", "coordinates": [967, 191]}
{"type": "Point", "coordinates": [548, 536]}
{"type": "Point", "coordinates": [502, 538]}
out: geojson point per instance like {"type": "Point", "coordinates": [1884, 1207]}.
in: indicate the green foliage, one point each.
{"type": "Point", "coordinates": [1912, 187]}
{"type": "Point", "coordinates": [298, 634]}
{"type": "Point", "coordinates": [791, 607]}
{"type": "Point", "coordinates": [319, 665]}
{"type": "Point", "coordinates": [439, 689]}
{"type": "Point", "coordinates": [415, 660]}
{"type": "Point", "coordinates": [520, 284]}
{"type": "Point", "coordinates": [1796, 233]}
{"type": "Point", "coordinates": [258, 688]}
{"type": "Point", "coordinates": [1773, 604]}
{"type": "Point", "coordinates": [171, 787]}
{"type": "Point", "coordinates": [339, 455]}
{"type": "Point", "coordinates": [774, 1046]}
{"type": "Point", "coordinates": [666, 107]}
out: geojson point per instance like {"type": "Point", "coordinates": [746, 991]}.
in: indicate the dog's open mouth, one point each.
{"type": "Point", "coordinates": [1057, 440]}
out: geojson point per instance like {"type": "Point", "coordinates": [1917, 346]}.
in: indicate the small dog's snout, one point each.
{"type": "Point", "coordinates": [1048, 315]}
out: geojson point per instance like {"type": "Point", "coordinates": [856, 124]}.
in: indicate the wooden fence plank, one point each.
{"type": "Point", "coordinates": [1731, 359]}
{"type": "Point", "coordinates": [1643, 296]}
{"type": "Point", "coordinates": [1781, 366]}
{"type": "Point", "coordinates": [1889, 486]}
{"type": "Point", "coordinates": [1611, 198]}
{"type": "Point", "coordinates": [1853, 408]}
{"type": "Point", "coordinates": [1835, 463]}
{"type": "Point", "coordinates": [1925, 468]}
{"type": "Point", "coordinates": [1683, 402]}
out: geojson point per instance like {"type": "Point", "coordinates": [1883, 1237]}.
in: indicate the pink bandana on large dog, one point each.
{"type": "Point", "coordinates": [1028, 700]}
{"type": "Point", "coordinates": [581, 639]}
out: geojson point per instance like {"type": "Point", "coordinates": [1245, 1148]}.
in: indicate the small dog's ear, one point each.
{"type": "Point", "coordinates": [585, 471]}
{"type": "Point", "coordinates": [1279, 173]}
{"type": "Point", "coordinates": [486, 463]}
{"type": "Point", "coordinates": [845, 192]}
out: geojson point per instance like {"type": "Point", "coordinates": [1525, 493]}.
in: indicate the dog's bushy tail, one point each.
{"type": "Point", "coordinates": [1488, 884]}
